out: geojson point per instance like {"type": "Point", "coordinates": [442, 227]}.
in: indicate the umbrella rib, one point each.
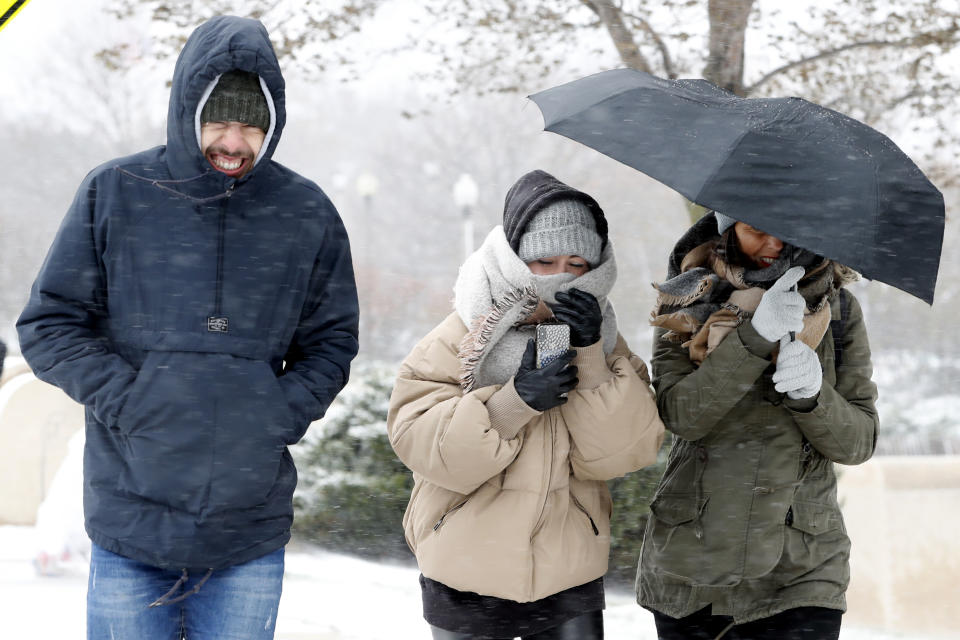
{"type": "Point", "coordinates": [710, 180]}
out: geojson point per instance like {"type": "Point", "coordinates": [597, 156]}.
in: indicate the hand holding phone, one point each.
{"type": "Point", "coordinates": [545, 388]}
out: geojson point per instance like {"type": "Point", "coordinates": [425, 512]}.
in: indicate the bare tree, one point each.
{"type": "Point", "coordinates": [887, 64]}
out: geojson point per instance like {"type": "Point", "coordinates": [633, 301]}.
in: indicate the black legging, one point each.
{"type": "Point", "coordinates": [589, 626]}
{"type": "Point", "coordinates": [801, 623]}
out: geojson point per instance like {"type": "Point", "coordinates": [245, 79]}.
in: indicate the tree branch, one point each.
{"type": "Point", "coordinates": [612, 18]}
{"type": "Point", "coordinates": [668, 68]}
{"type": "Point", "coordinates": [913, 41]}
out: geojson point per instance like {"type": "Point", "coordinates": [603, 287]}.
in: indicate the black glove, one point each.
{"type": "Point", "coordinates": [542, 389]}
{"type": "Point", "coordinates": [581, 311]}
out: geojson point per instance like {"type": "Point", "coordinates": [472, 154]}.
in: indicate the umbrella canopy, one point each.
{"type": "Point", "coordinates": [809, 175]}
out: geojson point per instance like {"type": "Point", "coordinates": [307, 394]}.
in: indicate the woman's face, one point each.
{"type": "Point", "coordinates": [762, 248]}
{"type": "Point", "coordinates": [559, 264]}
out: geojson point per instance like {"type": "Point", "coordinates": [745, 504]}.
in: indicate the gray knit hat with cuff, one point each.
{"type": "Point", "coordinates": [723, 222]}
{"type": "Point", "coordinates": [563, 227]}
{"type": "Point", "coordinates": [237, 98]}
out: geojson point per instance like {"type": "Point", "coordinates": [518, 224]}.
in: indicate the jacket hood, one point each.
{"type": "Point", "coordinates": [223, 44]}
{"type": "Point", "coordinates": [531, 193]}
{"type": "Point", "coordinates": [699, 232]}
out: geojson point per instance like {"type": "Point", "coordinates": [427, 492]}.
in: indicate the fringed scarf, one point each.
{"type": "Point", "coordinates": [500, 301]}
{"type": "Point", "coordinates": [706, 297]}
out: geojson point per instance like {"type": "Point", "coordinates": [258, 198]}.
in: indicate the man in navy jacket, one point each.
{"type": "Point", "coordinates": [199, 300]}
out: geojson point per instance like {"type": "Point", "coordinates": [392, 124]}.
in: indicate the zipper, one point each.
{"type": "Point", "coordinates": [593, 524]}
{"type": "Point", "coordinates": [546, 484]}
{"type": "Point", "coordinates": [221, 241]}
{"type": "Point", "coordinates": [221, 229]}
{"type": "Point", "coordinates": [439, 523]}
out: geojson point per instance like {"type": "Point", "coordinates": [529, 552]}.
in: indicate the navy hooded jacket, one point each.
{"type": "Point", "coordinates": [204, 322]}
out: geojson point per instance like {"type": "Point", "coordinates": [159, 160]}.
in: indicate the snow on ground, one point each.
{"type": "Point", "coordinates": [325, 597]}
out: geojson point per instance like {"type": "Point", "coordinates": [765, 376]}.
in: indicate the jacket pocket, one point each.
{"type": "Point", "coordinates": [165, 435]}
{"type": "Point", "coordinates": [673, 543]}
{"type": "Point", "coordinates": [253, 423]}
{"type": "Point", "coordinates": [578, 505]}
{"type": "Point", "coordinates": [814, 518]}
{"type": "Point", "coordinates": [278, 399]}
{"type": "Point", "coordinates": [673, 509]}
{"type": "Point", "coordinates": [447, 514]}
{"type": "Point", "coordinates": [202, 432]}
{"type": "Point", "coordinates": [126, 419]}
{"type": "Point", "coordinates": [816, 548]}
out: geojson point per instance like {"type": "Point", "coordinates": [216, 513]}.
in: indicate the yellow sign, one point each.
{"type": "Point", "coordinates": [8, 9]}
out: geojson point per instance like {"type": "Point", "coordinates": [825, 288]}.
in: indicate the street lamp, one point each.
{"type": "Point", "coordinates": [367, 186]}
{"type": "Point", "coordinates": [465, 194]}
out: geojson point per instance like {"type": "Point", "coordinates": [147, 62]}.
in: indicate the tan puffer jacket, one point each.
{"type": "Point", "coordinates": [508, 501]}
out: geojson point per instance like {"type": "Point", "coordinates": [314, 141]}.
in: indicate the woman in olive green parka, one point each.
{"type": "Point", "coordinates": [762, 371]}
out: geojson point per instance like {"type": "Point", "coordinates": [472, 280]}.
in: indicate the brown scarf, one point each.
{"type": "Point", "coordinates": [710, 298]}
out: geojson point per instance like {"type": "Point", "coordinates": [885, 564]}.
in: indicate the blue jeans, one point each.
{"type": "Point", "coordinates": [237, 603]}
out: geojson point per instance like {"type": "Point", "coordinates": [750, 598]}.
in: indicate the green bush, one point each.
{"type": "Point", "coordinates": [353, 490]}
{"type": "Point", "coordinates": [631, 508]}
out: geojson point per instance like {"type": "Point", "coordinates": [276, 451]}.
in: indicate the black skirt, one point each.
{"type": "Point", "coordinates": [486, 616]}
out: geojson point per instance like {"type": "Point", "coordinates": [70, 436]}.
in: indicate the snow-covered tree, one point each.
{"type": "Point", "coordinates": [882, 62]}
{"type": "Point", "coordinates": [352, 489]}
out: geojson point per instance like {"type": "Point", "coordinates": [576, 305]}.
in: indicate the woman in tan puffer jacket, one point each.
{"type": "Point", "coordinates": [510, 515]}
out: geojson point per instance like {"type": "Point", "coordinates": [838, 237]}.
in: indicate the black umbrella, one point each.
{"type": "Point", "coordinates": [809, 175]}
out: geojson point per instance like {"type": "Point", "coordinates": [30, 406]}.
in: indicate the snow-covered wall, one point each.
{"type": "Point", "coordinates": [901, 515]}
{"type": "Point", "coordinates": [36, 422]}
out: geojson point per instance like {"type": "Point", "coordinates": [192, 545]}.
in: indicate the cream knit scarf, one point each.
{"type": "Point", "coordinates": [500, 301]}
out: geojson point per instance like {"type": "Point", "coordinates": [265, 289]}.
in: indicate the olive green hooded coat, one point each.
{"type": "Point", "coordinates": [746, 517]}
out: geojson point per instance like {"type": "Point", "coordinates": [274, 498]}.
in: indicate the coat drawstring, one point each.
{"type": "Point", "coordinates": [702, 458]}
{"type": "Point", "coordinates": [162, 185]}
{"type": "Point", "coordinates": [777, 487]}
{"type": "Point", "coordinates": [165, 598]}
{"type": "Point", "coordinates": [806, 462]}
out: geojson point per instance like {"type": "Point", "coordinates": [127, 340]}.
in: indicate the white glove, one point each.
{"type": "Point", "coordinates": [780, 310]}
{"type": "Point", "coordinates": [798, 373]}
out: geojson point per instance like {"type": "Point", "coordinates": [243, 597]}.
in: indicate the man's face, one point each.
{"type": "Point", "coordinates": [231, 147]}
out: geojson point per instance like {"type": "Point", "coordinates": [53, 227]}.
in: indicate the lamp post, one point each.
{"type": "Point", "coordinates": [367, 186]}
{"type": "Point", "coordinates": [465, 194]}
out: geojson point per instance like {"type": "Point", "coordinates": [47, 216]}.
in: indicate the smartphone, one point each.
{"type": "Point", "coordinates": [553, 340]}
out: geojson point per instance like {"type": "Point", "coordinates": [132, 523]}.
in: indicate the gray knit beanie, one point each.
{"type": "Point", "coordinates": [237, 98]}
{"type": "Point", "coordinates": [563, 227]}
{"type": "Point", "coordinates": [723, 222]}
